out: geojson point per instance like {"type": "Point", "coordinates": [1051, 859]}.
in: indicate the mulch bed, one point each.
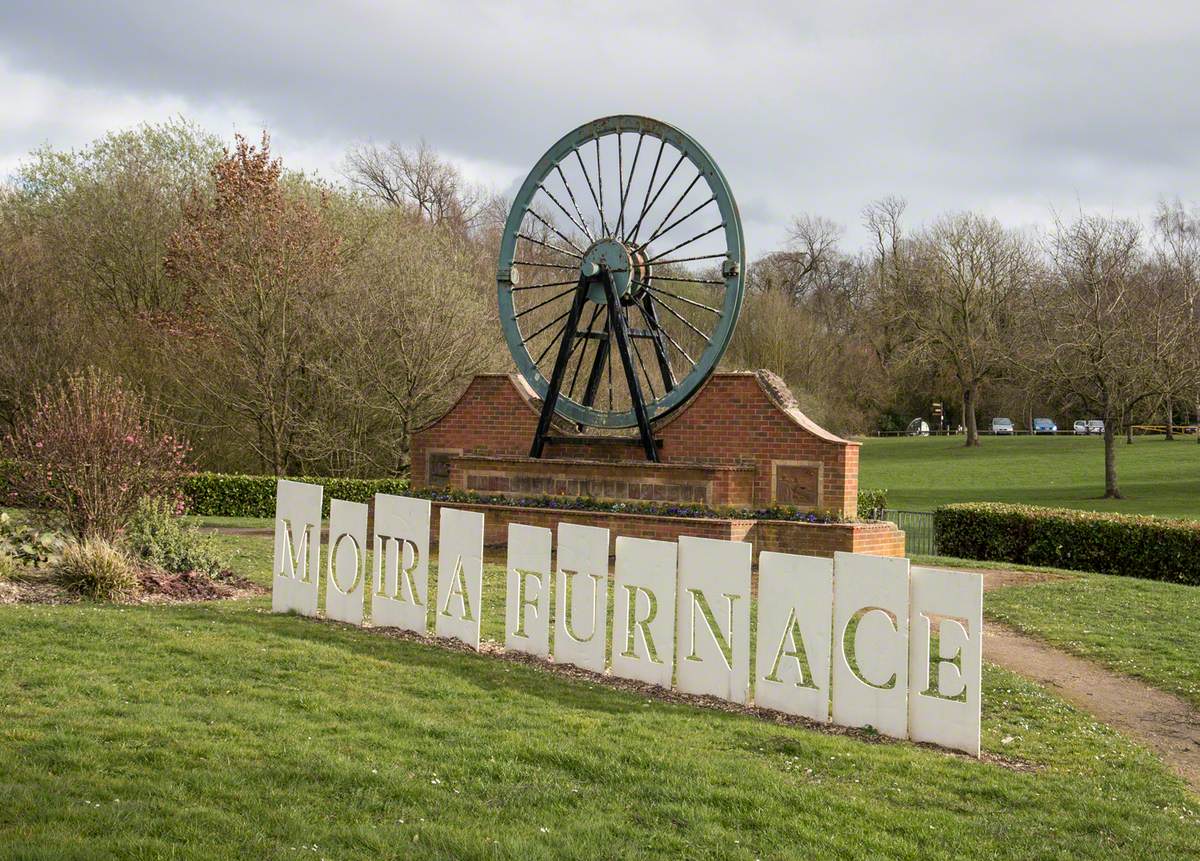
{"type": "Point", "coordinates": [158, 587]}
{"type": "Point", "coordinates": [161, 587]}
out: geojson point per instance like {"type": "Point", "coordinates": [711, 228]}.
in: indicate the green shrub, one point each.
{"type": "Point", "coordinates": [212, 494]}
{"type": "Point", "coordinates": [97, 569]}
{"type": "Point", "coordinates": [156, 536]}
{"type": "Point", "coordinates": [8, 566]}
{"type": "Point", "coordinates": [1132, 545]}
{"type": "Point", "coordinates": [869, 501]}
{"type": "Point", "coordinates": [27, 544]}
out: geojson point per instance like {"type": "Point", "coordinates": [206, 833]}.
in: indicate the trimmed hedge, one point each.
{"type": "Point", "coordinates": [1134, 546]}
{"type": "Point", "coordinates": [216, 495]}
{"type": "Point", "coordinates": [213, 494]}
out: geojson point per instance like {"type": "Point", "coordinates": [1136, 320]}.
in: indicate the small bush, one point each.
{"type": "Point", "coordinates": [869, 501]}
{"type": "Point", "coordinates": [8, 566]}
{"type": "Point", "coordinates": [97, 569]}
{"type": "Point", "coordinates": [156, 536]}
{"type": "Point", "coordinates": [27, 544]}
{"type": "Point", "coordinates": [1134, 546]}
{"type": "Point", "coordinates": [88, 449]}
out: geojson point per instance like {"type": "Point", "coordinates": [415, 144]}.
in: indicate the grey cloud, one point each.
{"type": "Point", "coordinates": [817, 109]}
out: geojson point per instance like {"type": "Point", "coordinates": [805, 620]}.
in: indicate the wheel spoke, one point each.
{"type": "Point", "coordinates": [561, 316]}
{"type": "Point", "coordinates": [561, 235]}
{"type": "Point", "coordinates": [716, 311]}
{"type": "Point", "coordinates": [574, 204]}
{"type": "Point", "coordinates": [684, 320]}
{"type": "Point", "coordinates": [659, 230]}
{"type": "Point", "coordinates": [540, 286]}
{"type": "Point", "coordinates": [588, 178]}
{"type": "Point", "coordinates": [678, 221]}
{"type": "Point", "coordinates": [628, 185]}
{"type": "Point", "coordinates": [544, 265]}
{"type": "Point", "coordinates": [675, 344]}
{"type": "Point", "coordinates": [637, 227]}
{"type": "Point", "coordinates": [653, 173]}
{"type": "Point", "coordinates": [543, 303]}
{"type": "Point", "coordinates": [578, 224]}
{"type": "Point", "coordinates": [600, 187]}
{"type": "Point", "coordinates": [691, 259]}
{"type": "Point", "coordinates": [685, 242]}
{"type": "Point", "coordinates": [548, 245]}
{"type": "Point", "coordinates": [690, 280]}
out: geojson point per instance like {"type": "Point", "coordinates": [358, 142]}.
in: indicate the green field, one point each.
{"type": "Point", "coordinates": [221, 730]}
{"type": "Point", "coordinates": [921, 473]}
{"type": "Point", "coordinates": [1138, 627]}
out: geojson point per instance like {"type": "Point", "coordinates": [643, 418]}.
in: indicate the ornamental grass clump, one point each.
{"type": "Point", "coordinates": [97, 569]}
{"type": "Point", "coordinates": [90, 450]}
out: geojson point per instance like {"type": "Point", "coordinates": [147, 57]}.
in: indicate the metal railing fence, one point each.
{"type": "Point", "coordinates": [919, 537]}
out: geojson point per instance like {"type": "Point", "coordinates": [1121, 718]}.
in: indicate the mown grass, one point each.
{"type": "Point", "coordinates": [222, 731]}
{"type": "Point", "coordinates": [1142, 628]}
{"type": "Point", "coordinates": [921, 473]}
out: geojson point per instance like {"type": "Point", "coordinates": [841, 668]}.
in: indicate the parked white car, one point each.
{"type": "Point", "coordinates": [1002, 426]}
{"type": "Point", "coordinates": [1095, 426]}
{"type": "Point", "coordinates": [1080, 427]}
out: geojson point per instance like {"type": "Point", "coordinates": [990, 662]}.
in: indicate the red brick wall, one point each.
{"type": "Point", "coordinates": [733, 420]}
{"type": "Point", "coordinates": [811, 539]}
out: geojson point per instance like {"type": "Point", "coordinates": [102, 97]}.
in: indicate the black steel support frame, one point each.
{"type": "Point", "coordinates": [616, 326]}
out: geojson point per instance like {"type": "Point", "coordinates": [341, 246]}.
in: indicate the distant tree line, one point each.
{"type": "Point", "coordinates": [1095, 318]}
{"type": "Point", "coordinates": [290, 324]}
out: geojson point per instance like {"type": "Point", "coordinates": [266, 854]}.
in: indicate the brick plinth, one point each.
{"type": "Point", "coordinates": [621, 481]}
{"type": "Point", "coordinates": [741, 420]}
{"type": "Point", "coordinates": [784, 536]}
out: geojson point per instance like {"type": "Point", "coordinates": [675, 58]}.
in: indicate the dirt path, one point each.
{"type": "Point", "coordinates": [1163, 722]}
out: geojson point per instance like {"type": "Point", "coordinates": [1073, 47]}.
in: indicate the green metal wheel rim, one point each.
{"type": "Point", "coordinates": [732, 273]}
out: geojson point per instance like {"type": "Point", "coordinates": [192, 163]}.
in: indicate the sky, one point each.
{"type": "Point", "coordinates": [1019, 110]}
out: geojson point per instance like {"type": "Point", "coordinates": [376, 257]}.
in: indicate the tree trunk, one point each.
{"type": "Point", "coordinates": [970, 398]}
{"type": "Point", "coordinates": [1111, 491]}
{"type": "Point", "coordinates": [1170, 420]}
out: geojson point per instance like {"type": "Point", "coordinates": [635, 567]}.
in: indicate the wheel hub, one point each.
{"type": "Point", "coordinates": [610, 255]}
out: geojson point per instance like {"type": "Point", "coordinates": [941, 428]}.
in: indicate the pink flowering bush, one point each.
{"type": "Point", "coordinates": [89, 450]}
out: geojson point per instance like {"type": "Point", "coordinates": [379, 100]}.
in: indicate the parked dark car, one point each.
{"type": "Point", "coordinates": [1041, 426]}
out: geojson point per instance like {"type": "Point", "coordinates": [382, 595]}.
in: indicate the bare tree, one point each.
{"type": "Point", "coordinates": [957, 300]}
{"type": "Point", "coordinates": [1088, 315]}
{"type": "Point", "coordinates": [1176, 323]}
{"type": "Point", "coordinates": [421, 181]}
{"type": "Point", "coordinates": [413, 327]}
{"type": "Point", "coordinates": [257, 264]}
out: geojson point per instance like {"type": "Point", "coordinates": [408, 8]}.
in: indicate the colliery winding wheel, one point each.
{"type": "Point", "coordinates": [621, 275]}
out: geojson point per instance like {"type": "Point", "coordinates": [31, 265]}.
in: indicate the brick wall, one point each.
{"type": "Point", "coordinates": [783, 536]}
{"type": "Point", "coordinates": [736, 419]}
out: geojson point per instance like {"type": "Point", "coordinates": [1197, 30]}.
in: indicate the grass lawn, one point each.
{"type": "Point", "coordinates": [222, 731]}
{"type": "Point", "coordinates": [1138, 627]}
{"type": "Point", "coordinates": [921, 473]}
